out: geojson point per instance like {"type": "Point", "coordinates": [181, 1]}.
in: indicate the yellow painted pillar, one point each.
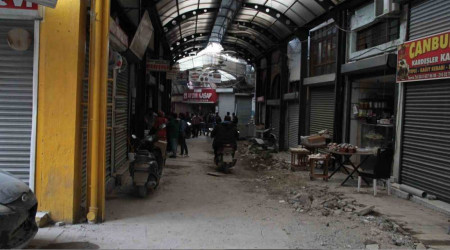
{"type": "Point", "coordinates": [98, 90]}
{"type": "Point", "coordinates": [61, 66]}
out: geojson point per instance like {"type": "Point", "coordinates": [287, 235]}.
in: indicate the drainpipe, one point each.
{"type": "Point", "coordinates": [97, 76]}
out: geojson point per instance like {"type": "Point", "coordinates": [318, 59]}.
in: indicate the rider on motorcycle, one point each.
{"type": "Point", "coordinates": [224, 133]}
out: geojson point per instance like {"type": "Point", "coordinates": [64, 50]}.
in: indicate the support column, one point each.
{"type": "Point", "coordinates": [284, 82]}
{"type": "Point", "coordinates": [98, 88]}
{"type": "Point", "coordinates": [341, 20]}
{"type": "Point", "coordinates": [302, 89]}
{"type": "Point", "coordinates": [58, 166]}
{"type": "Point", "coordinates": [267, 84]}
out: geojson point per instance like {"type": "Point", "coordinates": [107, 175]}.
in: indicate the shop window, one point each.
{"type": "Point", "coordinates": [323, 50]}
{"type": "Point", "coordinates": [380, 33]}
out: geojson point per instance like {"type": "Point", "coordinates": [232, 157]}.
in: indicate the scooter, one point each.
{"type": "Point", "coordinates": [146, 169]}
{"type": "Point", "coordinates": [269, 140]}
{"type": "Point", "coordinates": [225, 158]}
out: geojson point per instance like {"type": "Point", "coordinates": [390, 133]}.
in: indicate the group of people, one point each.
{"type": "Point", "coordinates": [178, 129]}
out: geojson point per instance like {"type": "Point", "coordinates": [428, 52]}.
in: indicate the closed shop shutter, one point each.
{"type": "Point", "coordinates": [428, 17]}
{"type": "Point", "coordinates": [109, 113]}
{"type": "Point", "coordinates": [244, 109]}
{"type": "Point", "coordinates": [292, 124]}
{"type": "Point", "coordinates": [322, 109]}
{"type": "Point", "coordinates": [16, 102]}
{"type": "Point", "coordinates": [425, 162]}
{"type": "Point", "coordinates": [226, 104]}
{"type": "Point", "coordinates": [85, 123]}
{"type": "Point", "coordinates": [275, 121]}
{"type": "Point", "coordinates": [121, 118]}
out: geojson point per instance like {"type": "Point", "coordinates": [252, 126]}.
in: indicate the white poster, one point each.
{"type": "Point", "coordinates": [199, 78]}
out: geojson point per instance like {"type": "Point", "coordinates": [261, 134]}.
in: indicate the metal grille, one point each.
{"type": "Point", "coordinates": [425, 162]}
{"type": "Point", "coordinates": [322, 110]}
{"type": "Point", "coordinates": [85, 121]}
{"type": "Point", "coordinates": [120, 118]}
{"type": "Point", "coordinates": [109, 112]}
{"type": "Point", "coordinates": [382, 32]}
{"type": "Point", "coordinates": [16, 102]}
{"type": "Point", "coordinates": [292, 124]}
{"type": "Point", "coordinates": [428, 17]}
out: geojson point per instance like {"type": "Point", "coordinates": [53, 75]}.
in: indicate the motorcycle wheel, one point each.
{"type": "Point", "coordinates": [142, 191]}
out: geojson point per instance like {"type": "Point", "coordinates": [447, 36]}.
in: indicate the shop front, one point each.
{"type": "Point", "coordinates": [423, 74]}
{"type": "Point", "coordinates": [201, 100]}
{"type": "Point", "coordinates": [19, 50]}
{"type": "Point", "coordinates": [371, 102]}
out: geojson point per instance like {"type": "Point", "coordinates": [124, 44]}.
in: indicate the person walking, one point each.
{"type": "Point", "coordinates": [196, 120]}
{"type": "Point", "coordinates": [182, 136]}
{"type": "Point", "coordinates": [161, 132]}
{"type": "Point", "coordinates": [173, 128]}
{"type": "Point", "coordinates": [235, 119]}
{"type": "Point", "coordinates": [228, 117]}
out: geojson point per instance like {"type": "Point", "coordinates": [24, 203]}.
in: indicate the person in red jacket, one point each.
{"type": "Point", "coordinates": [162, 133]}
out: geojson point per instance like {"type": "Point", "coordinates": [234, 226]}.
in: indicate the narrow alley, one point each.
{"type": "Point", "coordinates": [192, 209]}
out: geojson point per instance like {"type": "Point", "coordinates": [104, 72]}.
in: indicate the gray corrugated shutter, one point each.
{"type": "Point", "coordinates": [226, 104]}
{"type": "Point", "coordinates": [322, 109]}
{"type": "Point", "coordinates": [425, 162]}
{"type": "Point", "coordinates": [16, 102]}
{"type": "Point", "coordinates": [428, 18]}
{"type": "Point", "coordinates": [275, 121]}
{"type": "Point", "coordinates": [292, 124]}
{"type": "Point", "coordinates": [121, 118]}
{"type": "Point", "coordinates": [85, 122]}
{"type": "Point", "coordinates": [108, 144]}
{"type": "Point", "coordinates": [244, 109]}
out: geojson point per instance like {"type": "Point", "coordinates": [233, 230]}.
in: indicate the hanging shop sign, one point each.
{"type": "Point", "coordinates": [201, 95]}
{"type": "Point", "coordinates": [18, 9]}
{"type": "Point", "coordinates": [426, 58]}
{"type": "Point", "coordinates": [48, 3]}
{"type": "Point", "coordinates": [202, 79]}
{"type": "Point", "coordinates": [142, 37]}
{"type": "Point", "coordinates": [117, 36]}
{"type": "Point", "coordinates": [158, 65]}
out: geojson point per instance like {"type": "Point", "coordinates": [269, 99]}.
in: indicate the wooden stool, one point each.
{"type": "Point", "coordinates": [299, 157]}
{"type": "Point", "coordinates": [312, 165]}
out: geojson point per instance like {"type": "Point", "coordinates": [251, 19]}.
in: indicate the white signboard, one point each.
{"type": "Point", "coordinates": [142, 37]}
{"type": "Point", "coordinates": [199, 78]}
{"type": "Point", "coordinates": [48, 3]}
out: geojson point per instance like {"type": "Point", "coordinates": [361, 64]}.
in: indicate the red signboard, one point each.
{"type": "Point", "coordinates": [158, 65]}
{"type": "Point", "coordinates": [18, 4]}
{"type": "Point", "coordinates": [201, 95]}
{"type": "Point", "coordinates": [426, 58]}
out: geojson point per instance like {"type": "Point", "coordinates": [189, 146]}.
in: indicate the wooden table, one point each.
{"type": "Point", "coordinates": [312, 164]}
{"type": "Point", "coordinates": [313, 148]}
{"type": "Point", "coordinates": [364, 155]}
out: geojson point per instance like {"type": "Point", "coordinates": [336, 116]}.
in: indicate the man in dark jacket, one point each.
{"type": "Point", "coordinates": [224, 133]}
{"type": "Point", "coordinates": [173, 130]}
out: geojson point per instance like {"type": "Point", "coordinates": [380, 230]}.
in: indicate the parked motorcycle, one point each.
{"type": "Point", "coordinates": [149, 160]}
{"type": "Point", "coordinates": [225, 158]}
{"type": "Point", "coordinates": [269, 140]}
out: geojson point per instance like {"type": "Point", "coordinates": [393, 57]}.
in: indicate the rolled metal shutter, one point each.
{"type": "Point", "coordinates": [85, 122]}
{"type": "Point", "coordinates": [244, 109]}
{"type": "Point", "coordinates": [109, 100]}
{"type": "Point", "coordinates": [226, 104]}
{"type": "Point", "coordinates": [429, 17]}
{"type": "Point", "coordinates": [425, 161]}
{"type": "Point", "coordinates": [292, 127]}
{"type": "Point", "coordinates": [16, 102]}
{"type": "Point", "coordinates": [275, 121]}
{"type": "Point", "coordinates": [322, 109]}
{"type": "Point", "coordinates": [121, 118]}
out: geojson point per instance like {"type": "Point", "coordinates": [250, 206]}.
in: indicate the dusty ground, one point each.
{"type": "Point", "coordinates": [250, 208]}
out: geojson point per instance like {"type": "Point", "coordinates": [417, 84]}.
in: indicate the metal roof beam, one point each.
{"type": "Point", "coordinates": [179, 19]}
{"type": "Point", "coordinates": [225, 16]}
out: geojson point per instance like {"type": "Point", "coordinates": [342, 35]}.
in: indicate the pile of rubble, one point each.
{"type": "Point", "coordinates": [320, 201]}
{"type": "Point", "coordinates": [261, 159]}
